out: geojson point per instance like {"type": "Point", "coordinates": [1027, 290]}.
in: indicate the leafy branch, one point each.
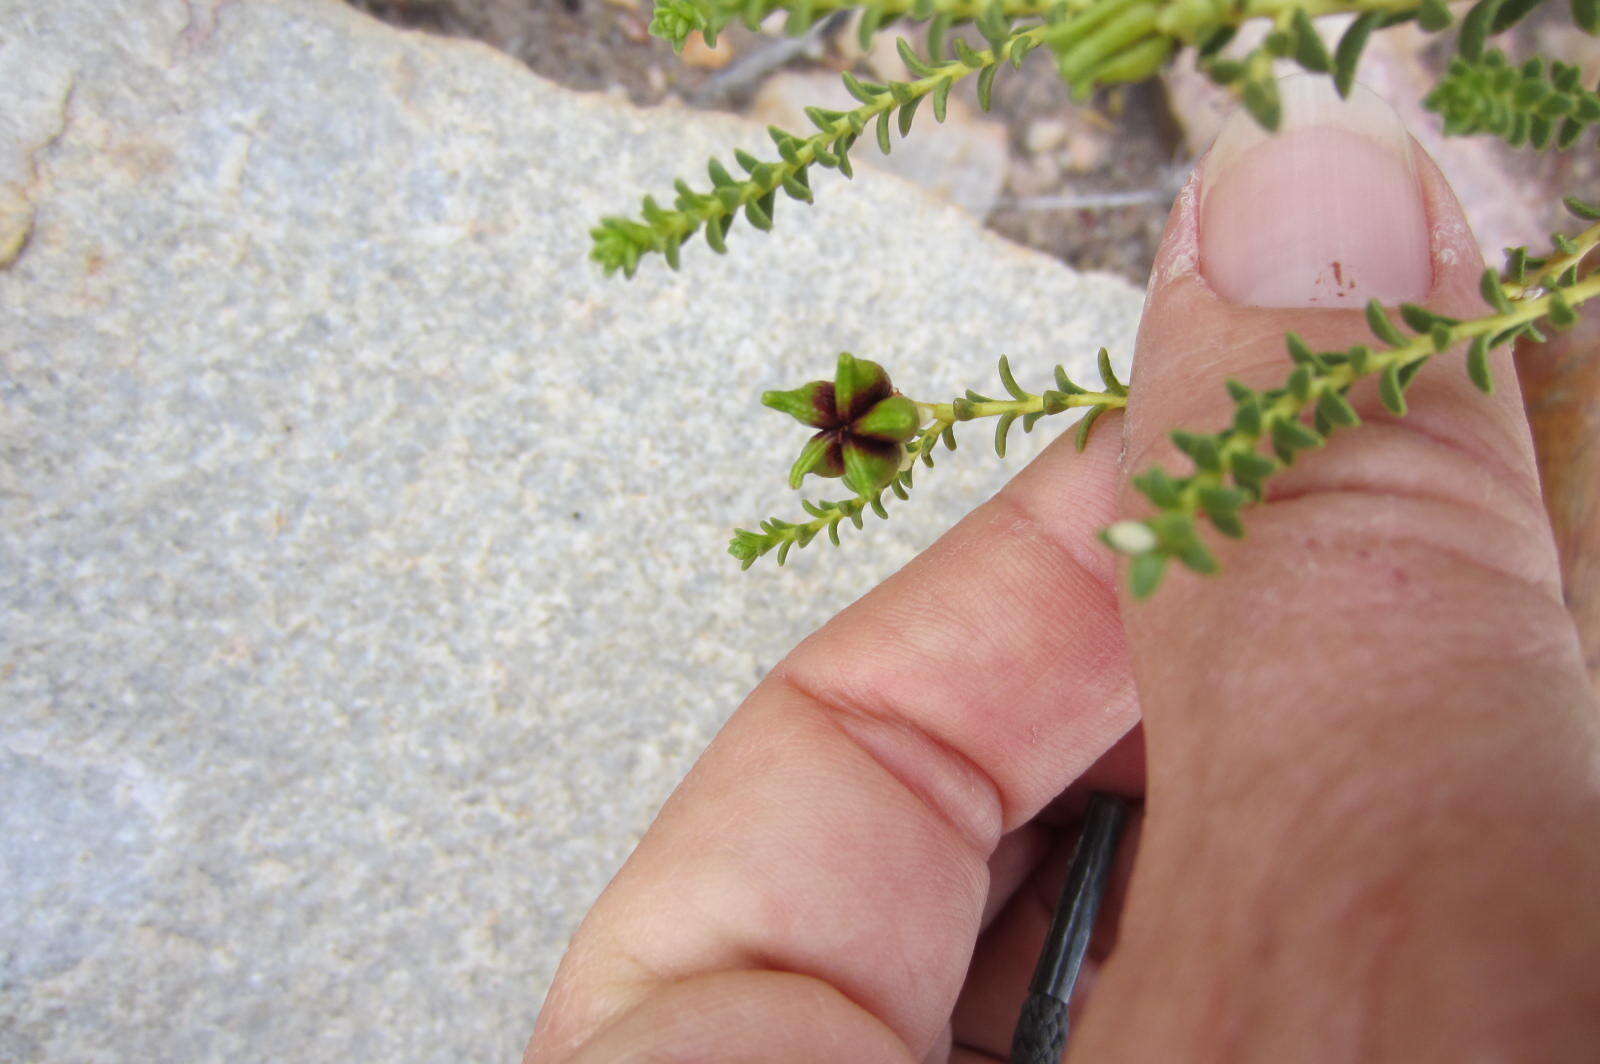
{"type": "Point", "coordinates": [937, 422]}
{"type": "Point", "coordinates": [1230, 470]}
{"type": "Point", "coordinates": [619, 243]}
{"type": "Point", "coordinates": [675, 20]}
{"type": "Point", "coordinates": [1528, 105]}
{"type": "Point", "coordinates": [1095, 42]}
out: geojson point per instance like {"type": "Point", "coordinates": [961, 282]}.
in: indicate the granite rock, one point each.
{"type": "Point", "coordinates": [362, 585]}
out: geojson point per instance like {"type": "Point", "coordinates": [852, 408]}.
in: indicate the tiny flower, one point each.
{"type": "Point", "coordinates": [862, 423]}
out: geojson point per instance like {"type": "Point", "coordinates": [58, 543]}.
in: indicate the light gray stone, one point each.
{"type": "Point", "coordinates": [362, 585]}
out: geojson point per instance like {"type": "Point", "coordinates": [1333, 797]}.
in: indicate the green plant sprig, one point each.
{"type": "Point", "coordinates": [675, 20]}
{"type": "Point", "coordinates": [939, 427]}
{"type": "Point", "coordinates": [1530, 104]}
{"type": "Point", "coordinates": [1230, 470]}
{"type": "Point", "coordinates": [619, 243]}
{"type": "Point", "coordinates": [1096, 43]}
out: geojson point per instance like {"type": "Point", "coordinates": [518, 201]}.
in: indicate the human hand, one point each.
{"type": "Point", "coordinates": [1369, 757]}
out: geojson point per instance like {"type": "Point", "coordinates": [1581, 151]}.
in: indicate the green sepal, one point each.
{"type": "Point", "coordinates": [819, 457]}
{"type": "Point", "coordinates": [858, 384]}
{"type": "Point", "coordinates": [893, 420]}
{"type": "Point", "coordinates": [869, 466]}
{"type": "Point", "coordinates": [810, 404]}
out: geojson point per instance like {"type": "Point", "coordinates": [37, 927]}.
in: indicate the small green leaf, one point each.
{"type": "Point", "coordinates": [1581, 208]}
{"type": "Point", "coordinates": [1300, 382]}
{"type": "Point", "coordinates": [1309, 51]}
{"type": "Point", "coordinates": [1475, 29]}
{"type": "Point", "coordinates": [1391, 390]}
{"type": "Point", "coordinates": [1252, 465]}
{"type": "Point", "coordinates": [1433, 16]}
{"type": "Point", "coordinates": [1144, 574]}
{"type": "Point", "coordinates": [1348, 54]}
{"type": "Point", "coordinates": [1586, 13]}
{"type": "Point", "coordinates": [986, 86]}
{"type": "Point", "coordinates": [1010, 381]}
{"type": "Point", "coordinates": [1381, 326]}
{"type": "Point", "coordinates": [1002, 429]}
{"type": "Point", "coordinates": [1290, 435]}
{"type": "Point", "coordinates": [1493, 293]}
{"type": "Point", "coordinates": [1108, 374]}
{"type": "Point", "coordinates": [1337, 410]}
{"type": "Point", "coordinates": [1562, 315]}
{"type": "Point", "coordinates": [1158, 487]}
{"type": "Point", "coordinates": [1261, 100]}
{"type": "Point", "coordinates": [1478, 365]}
{"type": "Point", "coordinates": [1221, 504]}
{"type": "Point", "coordinates": [907, 112]}
{"type": "Point", "coordinates": [1086, 425]}
{"type": "Point", "coordinates": [1420, 319]}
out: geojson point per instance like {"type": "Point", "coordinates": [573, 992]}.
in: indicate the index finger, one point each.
{"type": "Point", "coordinates": [837, 830]}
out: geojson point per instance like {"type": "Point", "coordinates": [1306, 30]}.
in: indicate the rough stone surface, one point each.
{"type": "Point", "coordinates": [361, 579]}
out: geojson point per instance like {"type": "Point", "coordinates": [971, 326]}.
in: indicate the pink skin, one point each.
{"type": "Point", "coordinates": [1316, 217]}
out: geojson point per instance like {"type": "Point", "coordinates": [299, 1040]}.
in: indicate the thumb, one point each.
{"type": "Point", "coordinates": [1381, 687]}
{"type": "Point", "coordinates": [1408, 561]}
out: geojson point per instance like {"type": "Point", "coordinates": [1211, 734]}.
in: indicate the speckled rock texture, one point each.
{"type": "Point", "coordinates": [362, 585]}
